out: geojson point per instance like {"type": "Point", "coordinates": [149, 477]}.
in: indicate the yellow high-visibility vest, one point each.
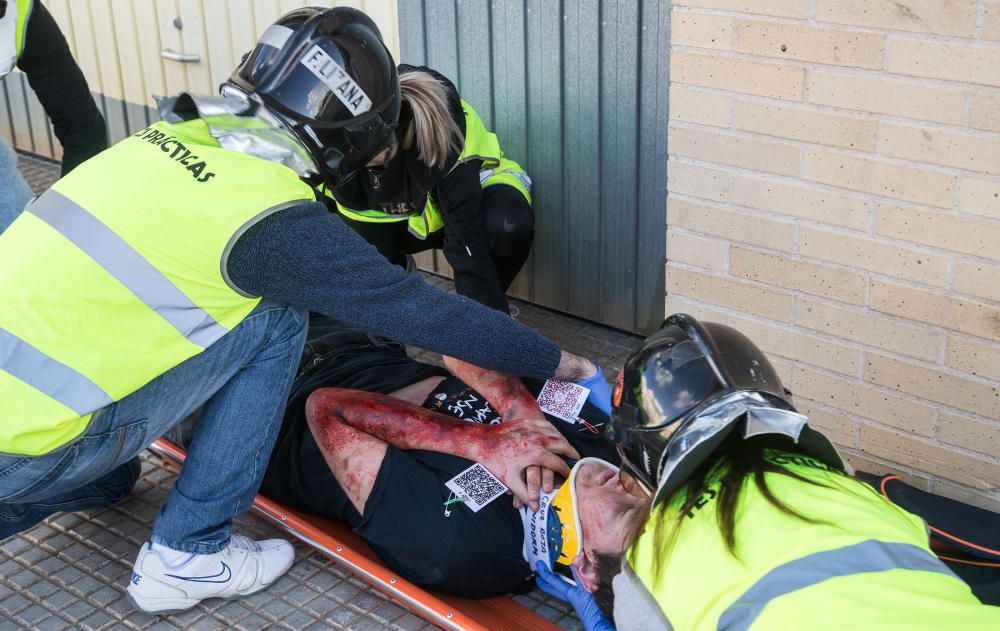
{"type": "Point", "coordinates": [864, 564]}
{"type": "Point", "coordinates": [480, 144]}
{"type": "Point", "coordinates": [118, 273]}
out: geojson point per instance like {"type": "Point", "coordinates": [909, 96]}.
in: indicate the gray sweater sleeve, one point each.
{"type": "Point", "coordinates": [309, 258]}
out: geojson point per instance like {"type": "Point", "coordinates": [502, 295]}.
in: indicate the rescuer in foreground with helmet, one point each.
{"type": "Point", "coordinates": [755, 520]}
{"type": "Point", "coordinates": [174, 271]}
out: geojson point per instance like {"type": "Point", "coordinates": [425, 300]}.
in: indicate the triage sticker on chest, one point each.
{"type": "Point", "coordinates": [563, 399]}
{"type": "Point", "coordinates": [477, 486]}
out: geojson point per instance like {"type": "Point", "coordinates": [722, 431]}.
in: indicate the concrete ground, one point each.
{"type": "Point", "coordinates": [70, 572]}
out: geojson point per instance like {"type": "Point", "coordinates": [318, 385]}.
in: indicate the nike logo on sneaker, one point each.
{"type": "Point", "coordinates": [207, 579]}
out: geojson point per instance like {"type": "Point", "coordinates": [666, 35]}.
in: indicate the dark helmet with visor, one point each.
{"type": "Point", "coordinates": [326, 74]}
{"type": "Point", "coordinates": [685, 389]}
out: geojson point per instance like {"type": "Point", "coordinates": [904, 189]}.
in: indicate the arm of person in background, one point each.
{"type": "Point", "coordinates": [512, 401]}
{"type": "Point", "coordinates": [62, 90]}
{"type": "Point", "coordinates": [349, 193]}
{"type": "Point", "coordinates": [459, 196]}
{"type": "Point", "coordinates": [505, 392]}
{"type": "Point", "coordinates": [466, 248]}
{"type": "Point", "coordinates": [308, 257]}
{"type": "Point", "coordinates": [507, 449]}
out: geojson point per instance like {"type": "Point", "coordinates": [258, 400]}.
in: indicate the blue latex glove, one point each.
{"type": "Point", "coordinates": [582, 600]}
{"type": "Point", "coordinates": [600, 391]}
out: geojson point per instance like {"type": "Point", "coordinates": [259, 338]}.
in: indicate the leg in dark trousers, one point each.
{"type": "Point", "coordinates": [504, 228]}
{"type": "Point", "coordinates": [509, 224]}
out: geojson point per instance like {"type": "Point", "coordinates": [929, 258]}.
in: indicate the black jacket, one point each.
{"type": "Point", "coordinates": [62, 90]}
{"type": "Point", "coordinates": [455, 190]}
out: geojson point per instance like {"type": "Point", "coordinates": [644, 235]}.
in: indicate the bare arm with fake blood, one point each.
{"type": "Point", "coordinates": [512, 401]}
{"type": "Point", "coordinates": [505, 392]}
{"type": "Point", "coordinates": [507, 450]}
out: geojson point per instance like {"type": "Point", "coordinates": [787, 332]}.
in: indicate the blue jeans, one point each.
{"type": "Point", "coordinates": [242, 382]}
{"type": "Point", "coordinates": [14, 191]}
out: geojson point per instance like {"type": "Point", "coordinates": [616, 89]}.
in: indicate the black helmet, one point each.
{"type": "Point", "coordinates": [328, 75]}
{"type": "Point", "coordinates": [685, 389]}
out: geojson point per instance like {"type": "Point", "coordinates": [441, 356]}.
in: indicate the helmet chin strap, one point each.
{"type": "Point", "coordinates": [241, 123]}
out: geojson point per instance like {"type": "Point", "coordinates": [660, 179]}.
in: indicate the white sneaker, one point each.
{"type": "Point", "coordinates": [240, 569]}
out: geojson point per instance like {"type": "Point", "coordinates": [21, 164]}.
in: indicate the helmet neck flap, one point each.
{"type": "Point", "coordinates": [239, 123]}
{"type": "Point", "coordinates": [753, 414]}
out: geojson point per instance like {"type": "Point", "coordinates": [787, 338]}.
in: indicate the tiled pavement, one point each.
{"type": "Point", "coordinates": [70, 571]}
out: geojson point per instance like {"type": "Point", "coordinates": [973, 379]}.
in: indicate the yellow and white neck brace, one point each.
{"type": "Point", "coordinates": [553, 534]}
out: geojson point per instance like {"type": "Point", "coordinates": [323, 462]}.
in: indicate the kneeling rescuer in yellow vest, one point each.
{"type": "Point", "coordinates": [174, 271]}
{"type": "Point", "coordinates": [755, 522]}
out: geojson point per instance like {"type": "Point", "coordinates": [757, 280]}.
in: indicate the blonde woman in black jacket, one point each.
{"type": "Point", "coordinates": [444, 183]}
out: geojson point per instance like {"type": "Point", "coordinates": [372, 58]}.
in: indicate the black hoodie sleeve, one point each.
{"type": "Point", "coordinates": [62, 90]}
{"type": "Point", "coordinates": [460, 197]}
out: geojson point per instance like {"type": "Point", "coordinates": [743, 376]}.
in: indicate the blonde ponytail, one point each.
{"type": "Point", "coordinates": [434, 131]}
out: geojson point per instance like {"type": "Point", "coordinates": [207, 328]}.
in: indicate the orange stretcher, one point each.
{"type": "Point", "coordinates": [336, 541]}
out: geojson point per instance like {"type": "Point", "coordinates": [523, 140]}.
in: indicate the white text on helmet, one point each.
{"type": "Point", "coordinates": [336, 78]}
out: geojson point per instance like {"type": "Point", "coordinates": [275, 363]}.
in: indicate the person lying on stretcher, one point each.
{"type": "Point", "coordinates": [371, 437]}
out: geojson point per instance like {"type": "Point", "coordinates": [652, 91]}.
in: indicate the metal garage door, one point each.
{"type": "Point", "coordinates": [577, 93]}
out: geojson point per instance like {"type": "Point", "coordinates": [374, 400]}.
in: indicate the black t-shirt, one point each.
{"type": "Point", "coordinates": [464, 553]}
{"type": "Point", "coordinates": [340, 357]}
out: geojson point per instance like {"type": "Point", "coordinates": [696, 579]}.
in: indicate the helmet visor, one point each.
{"type": "Point", "coordinates": [670, 386]}
{"type": "Point", "coordinates": [324, 75]}
{"type": "Point", "coordinates": [632, 480]}
{"type": "Point", "coordinates": [260, 60]}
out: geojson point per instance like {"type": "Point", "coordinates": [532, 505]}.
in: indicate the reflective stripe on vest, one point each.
{"type": "Point", "coordinates": [480, 144]}
{"type": "Point", "coordinates": [55, 379]}
{"type": "Point", "coordinates": [122, 261]}
{"type": "Point", "coordinates": [486, 174]}
{"type": "Point", "coordinates": [867, 556]}
{"type": "Point", "coordinates": [12, 34]}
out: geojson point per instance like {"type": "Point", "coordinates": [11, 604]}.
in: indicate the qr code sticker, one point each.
{"type": "Point", "coordinates": [477, 486]}
{"type": "Point", "coordinates": [563, 399]}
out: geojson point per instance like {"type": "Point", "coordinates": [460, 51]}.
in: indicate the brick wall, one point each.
{"type": "Point", "coordinates": [834, 184]}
